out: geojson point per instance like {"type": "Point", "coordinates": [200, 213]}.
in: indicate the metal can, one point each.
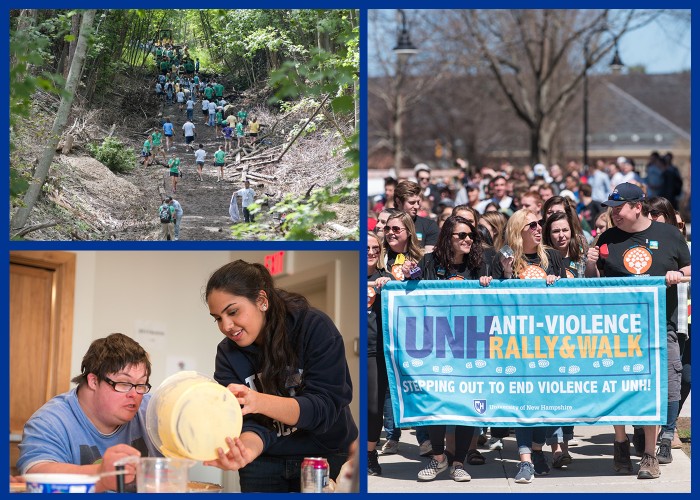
{"type": "Point", "coordinates": [314, 474]}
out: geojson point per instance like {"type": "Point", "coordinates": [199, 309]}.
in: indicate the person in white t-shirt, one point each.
{"type": "Point", "coordinates": [188, 129]}
{"type": "Point", "coordinates": [247, 198]}
{"type": "Point", "coordinates": [199, 156]}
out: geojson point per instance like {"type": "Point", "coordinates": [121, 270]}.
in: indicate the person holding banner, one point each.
{"type": "Point", "coordinates": [377, 381]}
{"type": "Point", "coordinates": [401, 244]}
{"type": "Point", "coordinates": [638, 246]}
{"type": "Point", "coordinates": [530, 260]}
{"type": "Point", "coordinates": [458, 255]}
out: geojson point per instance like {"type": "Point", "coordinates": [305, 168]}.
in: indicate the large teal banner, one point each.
{"type": "Point", "coordinates": [520, 353]}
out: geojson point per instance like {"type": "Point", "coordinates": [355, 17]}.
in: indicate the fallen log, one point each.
{"type": "Point", "coordinates": [36, 227]}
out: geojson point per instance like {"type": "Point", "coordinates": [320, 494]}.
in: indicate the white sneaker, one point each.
{"type": "Point", "coordinates": [432, 470]}
{"type": "Point", "coordinates": [494, 444]}
{"type": "Point", "coordinates": [425, 448]}
{"type": "Point", "coordinates": [391, 447]}
{"type": "Point", "coordinates": [458, 473]}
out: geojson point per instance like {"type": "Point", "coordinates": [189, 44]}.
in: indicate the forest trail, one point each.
{"type": "Point", "coordinates": [205, 203]}
{"type": "Point", "coordinates": [85, 184]}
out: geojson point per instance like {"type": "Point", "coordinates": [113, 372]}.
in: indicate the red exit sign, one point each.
{"type": "Point", "coordinates": [275, 263]}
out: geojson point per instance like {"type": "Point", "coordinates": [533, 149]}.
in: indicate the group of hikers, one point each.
{"type": "Point", "coordinates": [229, 123]}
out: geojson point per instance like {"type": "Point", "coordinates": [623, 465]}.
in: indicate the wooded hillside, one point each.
{"type": "Point", "coordinates": [83, 83]}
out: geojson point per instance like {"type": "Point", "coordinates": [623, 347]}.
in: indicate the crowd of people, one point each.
{"type": "Point", "coordinates": [529, 223]}
{"type": "Point", "coordinates": [180, 84]}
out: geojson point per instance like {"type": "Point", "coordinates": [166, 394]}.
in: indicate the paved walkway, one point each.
{"type": "Point", "coordinates": [590, 472]}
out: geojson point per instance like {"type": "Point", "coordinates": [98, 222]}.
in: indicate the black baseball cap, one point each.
{"type": "Point", "coordinates": [623, 193]}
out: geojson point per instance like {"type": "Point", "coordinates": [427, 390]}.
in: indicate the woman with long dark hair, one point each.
{"type": "Point", "coordinates": [572, 246]}
{"type": "Point", "coordinates": [285, 362]}
{"type": "Point", "coordinates": [458, 255]}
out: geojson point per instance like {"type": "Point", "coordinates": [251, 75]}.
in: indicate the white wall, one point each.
{"type": "Point", "coordinates": [161, 291]}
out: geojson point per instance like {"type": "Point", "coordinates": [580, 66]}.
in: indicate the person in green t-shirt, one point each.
{"type": "Point", "coordinates": [174, 164]}
{"type": "Point", "coordinates": [156, 139]}
{"type": "Point", "coordinates": [243, 117]}
{"type": "Point", "coordinates": [219, 120]}
{"type": "Point", "coordinates": [209, 92]}
{"type": "Point", "coordinates": [219, 158]}
{"type": "Point", "coordinates": [146, 153]}
{"type": "Point", "coordinates": [219, 89]}
{"type": "Point", "coordinates": [240, 132]}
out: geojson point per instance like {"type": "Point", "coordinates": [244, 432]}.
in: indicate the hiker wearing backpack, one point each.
{"type": "Point", "coordinates": [174, 164]}
{"type": "Point", "coordinates": [166, 213]}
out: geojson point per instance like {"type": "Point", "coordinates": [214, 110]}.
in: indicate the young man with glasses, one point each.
{"type": "Point", "coordinates": [102, 420]}
{"type": "Point", "coordinates": [639, 246]}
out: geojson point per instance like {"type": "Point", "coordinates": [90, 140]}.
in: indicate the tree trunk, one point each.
{"type": "Point", "coordinates": [75, 31]}
{"type": "Point", "coordinates": [30, 198]}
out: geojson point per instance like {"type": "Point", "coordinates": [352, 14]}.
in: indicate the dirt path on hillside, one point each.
{"type": "Point", "coordinates": [205, 203]}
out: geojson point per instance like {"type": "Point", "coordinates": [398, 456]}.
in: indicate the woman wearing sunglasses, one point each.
{"type": "Point", "coordinates": [458, 255]}
{"type": "Point", "coordinates": [660, 209]}
{"type": "Point", "coordinates": [531, 260]}
{"type": "Point", "coordinates": [401, 244]}
{"type": "Point", "coordinates": [377, 381]}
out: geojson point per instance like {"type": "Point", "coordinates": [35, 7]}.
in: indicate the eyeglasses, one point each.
{"type": "Point", "coordinates": [463, 235]}
{"type": "Point", "coordinates": [617, 197]}
{"type": "Point", "coordinates": [372, 249]}
{"type": "Point", "coordinates": [394, 229]}
{"type": "Point", "coordinates": [423, 178]}
{"type": "Point", "coordinates": [533, 225]}
{"type": "Point", "coordinates": [125, 387]}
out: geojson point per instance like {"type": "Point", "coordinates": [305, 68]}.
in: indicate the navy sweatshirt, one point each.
{"type": "Point", "coordinates": [323, 389]}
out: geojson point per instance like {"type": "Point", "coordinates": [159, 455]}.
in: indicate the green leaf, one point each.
{"type": "Point", "coordinates": [343, 104]}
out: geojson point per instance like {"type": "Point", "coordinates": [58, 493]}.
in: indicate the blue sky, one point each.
{"type": "Point", "coordinates": [661, 47]}
{"type": "Point", "coordinates": [657, 50]}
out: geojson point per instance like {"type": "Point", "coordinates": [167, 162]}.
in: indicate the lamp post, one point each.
{"type": "Point", "coordinates": [404, 50]}
{"type": "Point", "coordinates": [615, 65]}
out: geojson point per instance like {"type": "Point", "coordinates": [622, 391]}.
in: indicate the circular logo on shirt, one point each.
{"type": "Point", "coordinates": [397, 272]}
{"type": "Point", "coordinates": [532, 272]}
{"type": "Point", "coordinates": [371, 296]}
{"type": "Point", "coordinates": [637, 260]}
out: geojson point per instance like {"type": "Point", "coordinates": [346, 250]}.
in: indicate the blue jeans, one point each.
{"type": "Point", "coordinates": [556, 435]}
{"type": "Point", "coordinates": [190, 114]}
{"type": "Point", "coordinates": [672, 416]}
{"type": "Point", "coordinates": [525, 436]}
{"type": "Point", "coordinates": [178, 220]}
{"type": "Point", "coordinates": [211, 119]}
{"type": "Point", "coordinates": [394, 433]}
{"type": "Point", "coordinates": [281, 474]}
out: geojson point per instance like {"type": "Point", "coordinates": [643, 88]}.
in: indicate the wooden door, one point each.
{"type": "Point", "coordinates": [41, 328]}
